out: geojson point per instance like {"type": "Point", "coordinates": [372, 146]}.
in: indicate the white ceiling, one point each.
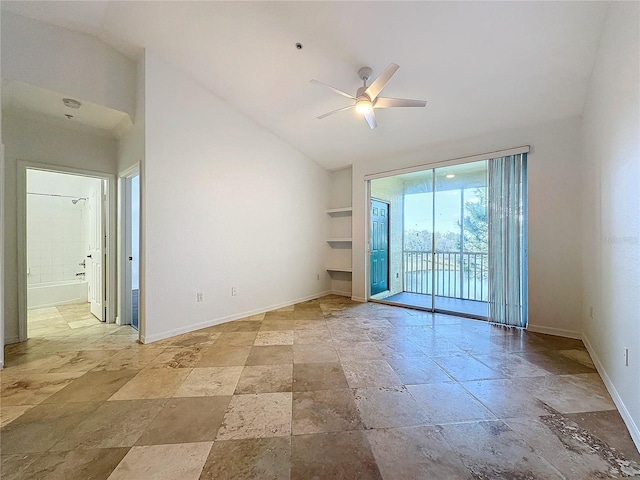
{"type": "Point", "coordinates": [482, 66]}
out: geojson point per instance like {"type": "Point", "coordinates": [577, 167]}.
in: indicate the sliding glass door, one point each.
{"type": "Point", "coordinates": [461, 243]}
{"type": "Point", "coordinates": [438, 239]}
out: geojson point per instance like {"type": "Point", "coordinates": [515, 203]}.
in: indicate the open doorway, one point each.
{"type": "Point", "coordinates": [438, 239]}
{"type": "Point", "coordinates": [65, 252]}
{"type": "Point", "coordinates": [459, 242]}
{"type": "Point", "coordinates": [130, 259]}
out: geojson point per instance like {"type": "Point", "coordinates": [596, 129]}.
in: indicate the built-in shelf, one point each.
{"type": "Point", "coordinates": [339, 269]}
{"type": "Point", "coordinates": [339, 240]}
{"type": "Point", "coordinates": [332, 211]}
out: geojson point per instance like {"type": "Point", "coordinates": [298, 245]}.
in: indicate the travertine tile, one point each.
{"type": "Point", "coordinates": [75, 464]}
{"type": "Point", "coordinates": [249, 459]}
{"type": "Point", "coordinates": [186, 420]}
{"type": "Point", "coordinates": [257, 416]}
{"type": "Point", "coordinates": [283, 337]}
{"type": "Point", "coordinates": [152, 384]}
{"type": "Point", "coordinates": [38, 429]}
{"type": "Point", "coordinates": [325, 411]}
{"type": "Point", "coordinates": [130, 359]}
{"type": "Point", "coordinates": [416, 452]}
{"type": "Point", "coordinates": [382, 391]}
{"type": "Point", "coordinates": [209, 381]}
{"type": "Point", "coordinates": [8, 413]}
{"type": "Point", "coordinates": [358, 352]}
{"type": "Point", "coordinates": [178, 357]}
{"type": "Point", "coordinates": [340, 455]}
{"type": "Point", "coordinates": [318, 376]}
{"type": "Point", "coordinates": [492, 450]}
{"type": "Point", "coordinates": [464, 368]}
{"type": "Point", "coordinates": [570, 393]}
{"type": "Point", "coordinates": [223, 356]}
{"type": "Point", "coordinates": [92, 387]}
{"type": "Point", "coordinates": [163, 462]}
{"type": "Point", "coordinates": [572, 450]}
{"type": "Point", "coordinates": [417, 370]}
{"type": "Point", "coordinates": [314, 354]}
{"type": "Point", "coordinates": [265, 379]}
{"type": "Point", "coordinates": [270, 355]}
{"type": "Point", "coordinates": [32, 388]}
{"type": "Point", "coordinates": [386, 407]}
{"type": "Point", "coordinates": [372, 373]}
{"type": "Point", "coordinates": [112, 424]}
{"type": "Point", "coordinates": [448, 403]}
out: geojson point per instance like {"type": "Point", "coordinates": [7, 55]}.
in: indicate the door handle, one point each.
{"type": "Point", "coordinates": [89, 256]}
{"type": "Point", "coordinates": [130, 258]}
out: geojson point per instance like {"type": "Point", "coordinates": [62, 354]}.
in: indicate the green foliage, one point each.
{"type": "Point", "coordinates": [475, 224]}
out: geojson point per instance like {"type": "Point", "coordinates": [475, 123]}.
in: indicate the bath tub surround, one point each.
{"type": "Point", "coordinates": [50, 294]}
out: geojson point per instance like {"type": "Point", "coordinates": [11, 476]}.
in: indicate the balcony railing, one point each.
{"type": "Point", "coordinates": [457, 274]}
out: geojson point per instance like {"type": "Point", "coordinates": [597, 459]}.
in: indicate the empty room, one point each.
{"type": "Point", "coordinates": [319, 240]}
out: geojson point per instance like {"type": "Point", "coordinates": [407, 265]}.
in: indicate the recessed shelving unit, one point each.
{"type": "Point", "coordinates": [340, 256]}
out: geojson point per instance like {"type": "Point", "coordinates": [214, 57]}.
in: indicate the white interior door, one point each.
{"type": "Point", "coordinates": [95, 255]}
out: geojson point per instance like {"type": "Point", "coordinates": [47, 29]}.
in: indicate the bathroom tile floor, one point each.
{"type": "Point", "coordinates": [326, 389]}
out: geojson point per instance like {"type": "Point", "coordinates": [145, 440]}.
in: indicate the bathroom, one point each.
{"type": "Point", "coordinates": [63, 213]}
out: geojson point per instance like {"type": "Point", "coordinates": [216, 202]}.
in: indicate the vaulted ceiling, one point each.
{"type": "Point", "coordinates": [482, 66]}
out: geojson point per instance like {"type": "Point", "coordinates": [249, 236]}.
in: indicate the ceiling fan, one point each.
{"type": "Point", "coordinates": [366, 98]}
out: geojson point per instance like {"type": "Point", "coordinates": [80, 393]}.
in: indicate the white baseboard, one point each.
{"type": "Point", "coordinates": [559, 332]}
{"type": "Point", "coordinates": [359, 299]}
{"type": "Point", "coordinates": [622, 408]}
{"type": "Point", "coordinates": [341, 293]}
{"type": "Point", "coordinates": [10, 340]}
{"type": "Point", "coordinates": [229, 318]}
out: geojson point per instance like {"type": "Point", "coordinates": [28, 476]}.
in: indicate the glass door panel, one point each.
{"type": "Point", "coordinates": [461, 243]}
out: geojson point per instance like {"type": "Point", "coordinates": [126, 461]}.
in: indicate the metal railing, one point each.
{"type": "Point", "coordinates": [457, 274]}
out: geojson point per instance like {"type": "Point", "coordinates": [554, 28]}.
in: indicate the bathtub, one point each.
{"type": "Point", "coordinates": [41, 295]}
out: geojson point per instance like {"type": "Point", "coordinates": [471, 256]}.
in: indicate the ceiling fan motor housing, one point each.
{"type": "Point", "coordinates": [365, 73]}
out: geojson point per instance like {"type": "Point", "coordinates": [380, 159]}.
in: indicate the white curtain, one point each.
{"type": "Point", "coordinates": [507, 217]}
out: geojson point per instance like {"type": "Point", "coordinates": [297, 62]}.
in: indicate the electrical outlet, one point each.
{"type": "Point", "coordinates": [234, 291]}
{"type": "Point", "coordinates": [626, 357]}
{"type": "Point", "coordinates": [199, 297]}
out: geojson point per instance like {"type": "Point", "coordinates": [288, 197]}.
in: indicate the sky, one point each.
{"type": "Point", "coordinates": [418, 210]}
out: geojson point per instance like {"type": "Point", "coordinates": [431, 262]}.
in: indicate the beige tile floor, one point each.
{"type": "Point", "coordinates": [324, 389]}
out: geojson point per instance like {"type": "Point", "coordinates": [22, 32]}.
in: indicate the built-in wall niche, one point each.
{"type": "Point", "coordinates": [339, 259]}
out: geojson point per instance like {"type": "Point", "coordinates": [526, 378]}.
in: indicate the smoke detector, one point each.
{"type": "Point", "coordinates": [71, 103]}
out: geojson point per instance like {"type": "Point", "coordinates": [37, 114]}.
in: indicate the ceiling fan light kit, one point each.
{"type": "Point", "coordinates": [366, 98]}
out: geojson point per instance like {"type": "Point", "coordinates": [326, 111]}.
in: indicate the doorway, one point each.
{"type": "Point", "coordinates": [55, 272]}
{"type": "Point", "coordinates": [131, 247]}
{"type": "Point", "coordinates": [379, 247]}
{"type": "Point", "coordinates": [439, 245]}
{"type": "Point", "coordinates": [65, 252]}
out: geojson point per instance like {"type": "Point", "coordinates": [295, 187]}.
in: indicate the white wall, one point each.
{"type": "Point", "coordinates": [61, 60]}
{"type": "Point", "coordinates": [554, 215]}
{"type": "Point", "coordinates": [35, 141]}
{"type": "Point", "coordinates": [611, 231]}
{"type": "Point", "coordinates": [225, 203]}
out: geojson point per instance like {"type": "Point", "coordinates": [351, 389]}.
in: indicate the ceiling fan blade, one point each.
{"type": "Point", "coordinates": [344, 94]}
{"type": "Point", "coordinates": [370, 117]}
{"type": "Point", "coordinates": [334, 111]}
{"type": "Point", "coordinates": [379, 83]}
{"type": "Point", "coordinates": [384, 102]}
